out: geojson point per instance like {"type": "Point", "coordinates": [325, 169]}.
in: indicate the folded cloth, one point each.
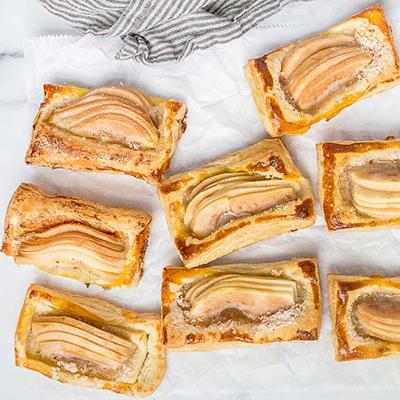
{"type": "Point", "coordinates": [155, 31]}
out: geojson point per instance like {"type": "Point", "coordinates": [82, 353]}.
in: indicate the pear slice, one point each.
{"type": "Point", "coordinates": [380, 319]}
{"type": "Point", "coordinates": [339, 74]}
{"type": "Point", "coordinates": [325, 64]}
{"type": "Point", "coordinates": [100, 253]}
{"type": "Point", "coordinates": [218, 186]}
{"type": "Point", "coordinates": [70, 340]}
{"type": "Point", "coordinates": [305, 49]}
{"type": "Point", "coordinates": [252, 295]}
{"type": "Point", "coordinates": [315, 68]}
{"type": "Point", "coordinates": [214, 179]}
{"type": "Point", "coordinates": [374, 193]}
{"type": "Point", "coordinates": [126, 93]}
{"type": "Point", "coordinates": [241, 200]}
{"type": "Point", "coordinates": [109, 114]}
{"type": "Point", "coordinates": [383, 179]}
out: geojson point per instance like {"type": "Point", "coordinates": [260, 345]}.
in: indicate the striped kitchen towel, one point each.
{"type": "Point", "coordinates": [155, 31]}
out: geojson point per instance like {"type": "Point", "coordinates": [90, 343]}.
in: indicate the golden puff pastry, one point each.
{"type": "Point", "coordinates": [240, 305]}
{"type": "Point", "coordinates": [251, 195]}
{"type": "Point", "coordinates": [76, 238]}
{"type": "Point", "coordinates": [313, 79]}
{"type": "Point", "coordinates": [359, 184]}
{"type": "Point", "coordinates": [365, 314]}
{"type": "Point", "coordinates": [110, 129]}
{"type": "Point", "coordinates": [89, 342]}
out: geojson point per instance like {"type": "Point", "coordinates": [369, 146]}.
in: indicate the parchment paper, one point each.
{"type": "Point", "coordinates": [222, 118]}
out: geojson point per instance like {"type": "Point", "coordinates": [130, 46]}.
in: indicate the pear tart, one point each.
{"type": "Point", "coordinates": [89, 342]}
{"type": "Point", "coordinates": [110, 129]}
{"type": "Point", "coordinates": [240, 305]}
{"type": "Point", "coordinates": [365, 314]}
{"type": "Point", "coordinates": [360, 183]}
{"type": "Point", "coordinates": [247, 196]}
{"type": "Point", "coordinates": [315, 78]}
{"type": "Point", "coordinates": [76, 238]}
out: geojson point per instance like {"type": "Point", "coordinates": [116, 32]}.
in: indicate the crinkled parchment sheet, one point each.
{"type": "Point", "coordinates": [222, 118]}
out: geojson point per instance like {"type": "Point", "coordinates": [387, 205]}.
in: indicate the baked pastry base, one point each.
{"type": "Point", "coordinates": [266, 158]}
{"type": "Point", "coordinates": [299, 323]}
{"type": "Point", "coordinates": [343, 290]}
{"type": "Point", "coordinates": [55, 148]}
{"type": "Point", "coordinates": [333, 160]}
{"type": "Point", "coordinates": [31, 211]}
{"type": "Point", "coordinates": [279, 116]}
{"type": "Point", "coordinates": [41, 301]}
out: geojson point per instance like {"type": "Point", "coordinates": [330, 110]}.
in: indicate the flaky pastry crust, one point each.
{"type": "Point", "coordinates": [56, 146]}
{"type": "Point", "coordinates": [372, 35]}
{"type": "Point", "coordinates": [267, 159]}
{"type": "Point", "coordinates": [40, 227]}
{"type": "Point", "coordinates": [140, 330]}
{"type": "Point", "coordinates": [299, 321]}
{"type": "Point", "coordinates": [345, 293]}
{"type": "Point", "coordinates": [336, 161]}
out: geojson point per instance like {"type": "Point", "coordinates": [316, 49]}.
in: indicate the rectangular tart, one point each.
{"type": "Point", "coordinates": [247, 196]}
{"type": "Point", "coordinates": [315, 78]}
{"type": "Point", "coordinates": [240, 305]}
{"type": "Point", "coordinates": [89, 342]}
{"type": "Point", "coordinates": [365, 314]}
{"type": "Point", "coordinates": [359, 184]}
{"type": "Point", "coordinates": [76, 238]}
{"type": "Point", "coordinates": [110, 129]}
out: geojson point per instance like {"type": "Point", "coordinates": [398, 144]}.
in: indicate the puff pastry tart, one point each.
{"type": "Point", "coordinates": [365, 314]}
{"type": "Point", "coordinates": [360, 184]}
{"type": "Point", "coordinates": [240, 305]}
{"type": "Point", "coordinates": [76, 238]}
{"type": "Point", "coordinates": [315, 78]}
{"type": "Point", "coordinates": [242, 198]}
{"type": "Point", "coordinates": [89, 342]}
{"type": "Point", "coordinates": [110, 129]}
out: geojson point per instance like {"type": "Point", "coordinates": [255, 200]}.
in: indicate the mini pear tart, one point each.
{"type": "Point", "coordinates": [359, 184]}
{"type": "Point", "coordinates": [113, 129]}
{"type": "Point", "coordinates": [76, 238]}
{"type": "Point", "coordinates": [315, 78]}
{"type": "Point", "coordinates": [239, 305]}
{"type": "Point", "coordinates": [365, 314]}
{"type": "Point", "coordinates": [247, 196]}
{"type": "Point", "coordinates": [86, 341]}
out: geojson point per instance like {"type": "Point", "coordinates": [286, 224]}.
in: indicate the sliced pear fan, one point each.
{"type": "Point", "coordinates": [101, 253]}
{"type": "Point", "coordinates": [227, 196]}
{"type": "Point", "coordinates": [376, 192]}
{"type": "Point", "coordinates": [113, 114]}
{"type": "Point", "coordinates": [313, 69]}
{"type": "Point", "coordinates": [68, 339]}
{"type": "Point", "coordinates": [380, 320]}
{"type": "Point", "coordinates": [252, 295]}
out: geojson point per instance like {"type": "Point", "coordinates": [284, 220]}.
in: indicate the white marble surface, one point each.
{"type": "Point", "coordinates": [22, 19]}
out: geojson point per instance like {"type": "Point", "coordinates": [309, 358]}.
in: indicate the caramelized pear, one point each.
{"type": "Point", "coordinates": [102, 254]}
{"type": "Point", "coordinates": [380, 319]}
{"type": "Point", "coordinates": [227, 196]}
{"type": "Point", "coordinates": [252, 295]}
{"type": "Point", "coordinates": [314, 69]}
{"type": "Point", "coordinates": [114, 114]}
{"type": "Point", "coordinates": [68, 339]}
{"type": "Point", "coordinates": [376, 191]}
